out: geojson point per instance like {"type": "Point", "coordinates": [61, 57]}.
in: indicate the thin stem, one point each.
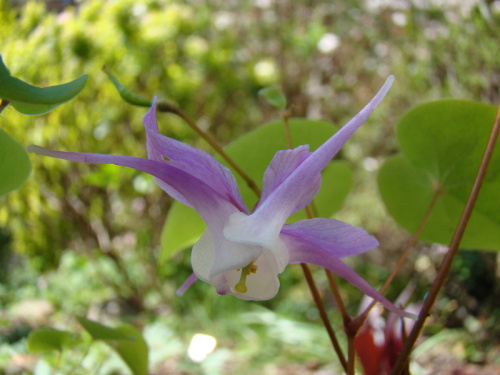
{"type": "Point", "coordinates": [169, 107]}
{"type": "Point", "coordinates": [363, 316]}
{"type": "Point", "coordinates": [310, 279]}
{"type": "Point", "coordinates": [350, 330]}
{"type": "Point", "coordinates": [336, 294]}
{"type": "Point", "coordinates": [286, 116]}
{"type": "Point", "coordinates": [351, 354]}
{"type": "Point", "coordinates": [323, 315]}
{"type": "Point", "coordinates": [444, 269]}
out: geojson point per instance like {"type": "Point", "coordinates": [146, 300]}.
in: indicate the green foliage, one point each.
{"type": "Point", "coordinates": [253, 152]}
{"type": "Point", "coordinates": [211, 59]}
{"type": "Point", "coordinates": [126, 340]}
{"type": "Point", "coordinates": [126, 94]}
{"type": "Point", "coordinates": [32, 100]}
{"type": "Point", "coordinates": [15, 166]}
{"type": "Point", "coordinates": [49, 339]}
{"type": "Point", "coordinates": [274, 97]}
{"type": "Point", "coordinates": [101, 332]}
{"type": "Point", "coordinates": [134, 353]}
{"type": "Point", "coordinates": [442, 144]}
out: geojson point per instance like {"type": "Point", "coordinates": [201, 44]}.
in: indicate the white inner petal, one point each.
{"type": "Point", "coordinates": [224, 260]}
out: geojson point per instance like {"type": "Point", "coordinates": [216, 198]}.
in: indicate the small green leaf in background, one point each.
{"type": "Point", "coordinates": [49, 339]}
{"type": "Point", "coordinates": [126, 94]}
{"type": "Point", "coordinates": [134, 353]}
{"type": "Point", "coordinates": [443, 143]}
{"type": "Point", "coordinates": [101, 332]}
{"type": "Point", "coordinates": [253, 152]}
{"type": "Point", "coordinates": [274, 97]}
{"type": "Point", "coordinates": [32, 100]}
{"type": "Point", "coordinates": [15, 165]}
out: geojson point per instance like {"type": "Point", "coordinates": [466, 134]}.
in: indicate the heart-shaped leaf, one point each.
{"type": "Point", "coordinates": [443, 143]}
{"type": "Point", "coordinates": [15, 166]}
{"type": "Point", "coordinates": [32, 100]}
{"type": "Point", "coordinates": [253, 152]}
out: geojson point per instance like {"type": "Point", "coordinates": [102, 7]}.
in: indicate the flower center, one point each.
{"type": "Point", "coordinates": [241, 286]}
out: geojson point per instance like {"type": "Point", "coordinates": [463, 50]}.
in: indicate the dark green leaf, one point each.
{"type": "Point", "coordinates": [253, 152]}
{"type": "Point", "coordinates": [49, 339]}
{"type": "Point", "coordinates": [274, 97]}
{"type": "Point", "coordinates": [443, 143]}
{"type": "Point", "coordinates": [101, 332]}
{"type": "Point", "coordinates": [15, 166]}
{"type": "Point", "coordinates": [32, 100]}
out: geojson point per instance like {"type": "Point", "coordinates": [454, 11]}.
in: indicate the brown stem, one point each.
{"type": "Point", "coordinates": [323, 315]}
{"type": "Point", "coordinates": [444, 269]}
{"type": "Point", "coordinates": [169, 107]}
{"type": "Point", "coordinates": [350, 330]}
{"type": "Point", "coordinates": [351, 354]}
{"type": "Point", "coordinates": [336, 293]}
{"type": "Point", "coordinates": [364, 315]}
{"type": "Point", "coordinates": [3, 104]}
{"type": "Point", "coordinates": [309, 277]}
{"type": "Point", "coordinates": [286, 116]}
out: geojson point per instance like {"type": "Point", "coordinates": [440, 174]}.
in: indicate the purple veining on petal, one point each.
{"type": "Point", "coordinates": [335, 237]}
{"type": "Point", "coordinates": [154, 154]}
{"type": "Point", "coordinates": [286, 196]}
{"type": "Point", "coordinates": [304, 252]}
{"type": "Point", "coordinates": [283, 164]}
{"type": "Point", "coordinates": [209, 204]}
{"type": "Point", "coordinates": [197, 163]}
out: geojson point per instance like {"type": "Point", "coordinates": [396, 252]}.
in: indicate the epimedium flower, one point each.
{"type": "Point", "coordinates": [242, 252]}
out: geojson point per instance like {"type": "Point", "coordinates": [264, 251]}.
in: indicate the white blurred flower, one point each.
{"type": "Point", "coordinates": [399, 19]}
{"type": "Point", "coordinates": [328, 43]}
{"type": "Point", "coordinates": [201, 346]}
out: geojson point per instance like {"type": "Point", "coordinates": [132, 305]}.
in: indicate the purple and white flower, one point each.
{"type": "Point", "coordinates": [242, 252]}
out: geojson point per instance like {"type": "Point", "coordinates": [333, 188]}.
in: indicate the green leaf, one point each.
{"type": "Point", "coordinates": [49, 339]}
{"type": "Point", "coordinates": [253, 152]}
{"type": "Point", "coordinates": [134, 353]}
{"type": "Point", "coordinates": [15, 166]}
{"type": "Point", "coordinates": [126, 94]}
{"type": "Point", "coordinates": [274, 97]}
{"type": "Point", "coordinates": [443, 143]}
{"type": "Point", "coordinates": [101, 332]}
{"type": "Point", "coordinates": [32, 100]}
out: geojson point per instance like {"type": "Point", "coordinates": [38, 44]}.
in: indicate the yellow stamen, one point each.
{"type": "Point", "coordinates": [241, 286]}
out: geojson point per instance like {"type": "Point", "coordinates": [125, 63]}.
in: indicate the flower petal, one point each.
{"type": "Point", "coordinates": [196, 162]}
{"type": "Point", "coordinates": [281, 203]}
{"type": "Point", "coordinates": [283, 164]}
{"type": "Point", "coordinates": [219, 262]}
{"type": "Point", "coordinates": [210, 205]}
{"type": "Point", "coordinates": [153, 154]}
{"type": "Point", "coordinates": [333, 236]}
{"type": "Point", "coordinates": [213, 254]}
{"type": "Point", "coordinates": [302, 251]}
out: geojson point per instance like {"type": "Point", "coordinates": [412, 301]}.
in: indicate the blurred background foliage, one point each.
{"type": "Point", "coordinates": [81, 239]}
